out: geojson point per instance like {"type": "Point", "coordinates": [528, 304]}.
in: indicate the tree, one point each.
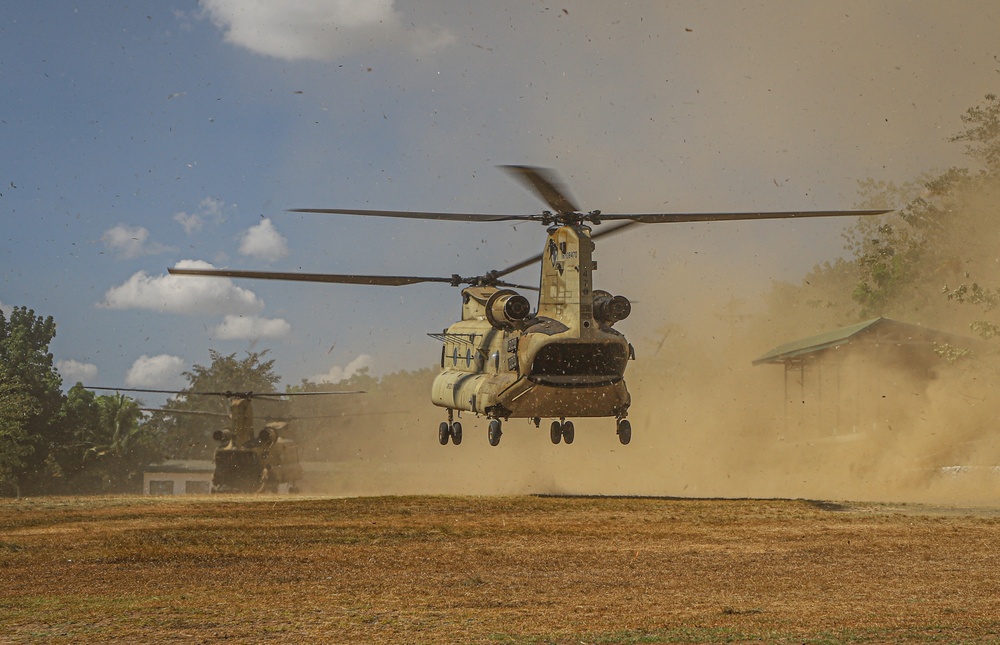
{"type": "Point", "coordinates": [15, 409]}
{"type": "Point", "coordinates": [982, 134]}
{"type": "Point", "coordinates": [26, 370]}
{"type": "Point", "coordinates": [942, 232]}
{"type": "Point", "coordinates": [120, 446]}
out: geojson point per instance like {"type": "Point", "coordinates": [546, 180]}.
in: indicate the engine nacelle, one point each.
{"type": "Point", "coordinates": [507, 309]}
{"type": "Point", "coordinates": [610, 309]}
{"type": "Point", "coordinates": [222, 436]}
{"type": "Point", "coordinates": [267, 436]}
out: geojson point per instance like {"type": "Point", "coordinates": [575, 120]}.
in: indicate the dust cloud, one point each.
{"type": "Point", "coordinates": [706, 421]}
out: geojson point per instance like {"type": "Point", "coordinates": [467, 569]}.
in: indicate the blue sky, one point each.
{"type": "Point", "coordinates": [143, 134]}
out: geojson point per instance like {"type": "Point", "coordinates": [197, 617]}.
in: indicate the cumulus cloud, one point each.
{"type": "Point", "coordinates": [337, 373]}
{"type": "Point", "coordinates": [183, 294]}
{"type": "Point", "coordinates": [76, 372]}
{"type": "Point", "coordinates": [315, 29]}
{"type": "Point", "coordinates": [131, 242]}
{"type": "Point", "coordinates": [209, 208]}
{"type": "Point", "coordinates": [159, 371]}
{"type": "Point", "coordinates": [264, 242]}
{"type": "Point", "coordinates": [251, 328]}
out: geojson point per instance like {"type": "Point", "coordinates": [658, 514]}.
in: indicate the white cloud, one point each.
{"type": "Point", "coordinates": [315, 29]}
{"type": "Point", "coordinates": [251, 328]}
{"type": "Point", "coordinates": [264, 242]}
{"type": "Point", "coordinates": [183, 294]}
{"type": "Point", "coordinates": [131, 241]}
{"type": "Point", "coordinates": [209, 208]}
{"type": "Point", "coordinates": [155, 371]}
{"type": "Point", "coordinates": [337, 373]}
{"type": "Point", "coordinates": [191, 223]}
{"type": "Point", "coordinates": [76, 372]}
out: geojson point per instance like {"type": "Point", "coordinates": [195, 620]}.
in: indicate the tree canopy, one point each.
{"type": "Point", "coordinates": [938, 246]}
{"type": "Point", "coordinates": [33, 390]}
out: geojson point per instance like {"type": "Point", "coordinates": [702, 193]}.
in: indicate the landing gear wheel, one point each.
{"type": "Point", "coordinates": [456, 433]}
{"type": "Point", "coordinates": [624, 431]}
{"type": "Point", "coordinates": [494, 432]}
{"type": "Point", "coordinates": [555, 432]}
{"type": "Point", "coordinates": [443, 434]}
{"type": "Point", "coordinates": [568, 432]}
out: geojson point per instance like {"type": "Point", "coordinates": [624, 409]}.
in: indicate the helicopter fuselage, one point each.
{"type": "Point", "coordinates": [565, 360]}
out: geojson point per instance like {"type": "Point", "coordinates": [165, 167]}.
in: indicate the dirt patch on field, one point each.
{"type": "Point", "coordinates": [495, 569]}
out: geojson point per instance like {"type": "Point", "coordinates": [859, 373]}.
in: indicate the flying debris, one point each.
{"type": "Point", "coordinates": [560, 360]}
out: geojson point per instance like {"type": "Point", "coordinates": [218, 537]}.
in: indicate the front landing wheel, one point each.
{"type": "Point", "coordinates": [624, 431]}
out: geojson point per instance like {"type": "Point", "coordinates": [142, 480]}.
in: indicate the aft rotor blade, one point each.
{"type": "Point", "coordinates": [544, 183]}
{"type": "Point", "coordinates": [535, 259]}
{"type": "Point", "coordinates": [666, 218]}
{"type": "Point", "coordinates": [379, 280]}
{"type": "Point", "coordinates": [455, 217]}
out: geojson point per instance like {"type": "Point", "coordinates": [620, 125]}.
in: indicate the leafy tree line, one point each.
{"type": "Point", "coordinates": [81, 442]}
{"type": "Point", "coordinates": [52, 442]}
{"type": "Point", "coordinates": [938, 249]}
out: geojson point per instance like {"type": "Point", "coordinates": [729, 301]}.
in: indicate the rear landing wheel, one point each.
{"type": "Point", "coordinates": [456, 433]}
{"type": "Point", "coordinates": [568, 432]}
{"type": "Point", "coordinates": [495, 432]}
{"type": "Point", "coordinates": [555, 432]}
{"type": "Point", "coordinates": [443, 434]}
{"type": "Point", "coordinates": [624, 431]}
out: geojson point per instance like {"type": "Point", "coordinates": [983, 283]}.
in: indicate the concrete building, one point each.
{"type": "Point", "coordinates": [178, 477]}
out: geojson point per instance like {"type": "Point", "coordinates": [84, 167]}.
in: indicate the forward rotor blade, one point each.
{"type": "Point", "coordinates": [454, 217]}
{"type": "Point", "coordinates": [379, 280]}
{"type": "Point", "coordinates": [666, 218]}
{"type": "Point", "coordinates": [193, 413]}
{"type": "Point", "coordinates": [132, 389]}
{"type": "Point", "coordinates": [227, 393]}
{"type": "Point", "coordinates": [544, 183]}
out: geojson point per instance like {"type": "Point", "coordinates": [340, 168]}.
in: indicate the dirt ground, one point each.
{"type": "Point", "coordinates": [495, 570]}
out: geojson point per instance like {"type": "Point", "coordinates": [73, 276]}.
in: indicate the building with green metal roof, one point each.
{"type": "Point", "coordinates": [858, 377]}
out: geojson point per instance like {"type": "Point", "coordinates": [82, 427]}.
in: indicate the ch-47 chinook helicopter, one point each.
{"type": "Point", "coordinates": [247, 461]}
{"type": "Point", "coordinates": [502, 360]}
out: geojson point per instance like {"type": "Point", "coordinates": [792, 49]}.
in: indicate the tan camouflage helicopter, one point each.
{"type": "Point", "coordinates": [247, 461]}
{"type": "Point", "coordinates": [502, 360]}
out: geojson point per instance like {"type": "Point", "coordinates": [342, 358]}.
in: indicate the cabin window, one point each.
{"type": "Point", "coordinates": [580, 359]}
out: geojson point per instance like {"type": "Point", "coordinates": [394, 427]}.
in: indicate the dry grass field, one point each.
{"type": "Point", "coordinates": [495, 570]}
